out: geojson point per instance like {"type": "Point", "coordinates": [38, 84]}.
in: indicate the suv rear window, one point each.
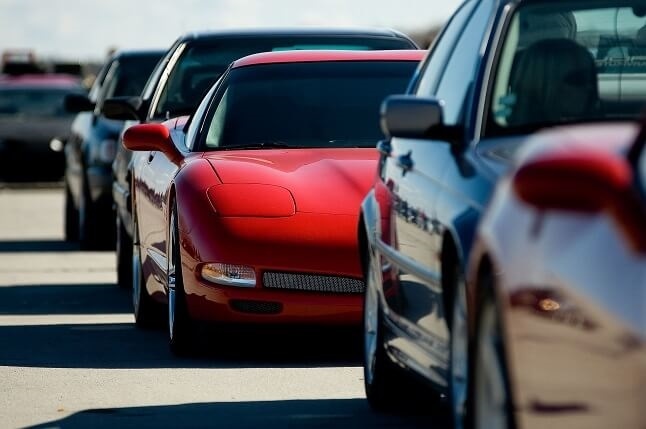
{"type": "Point", "coordinates": [571, 61]}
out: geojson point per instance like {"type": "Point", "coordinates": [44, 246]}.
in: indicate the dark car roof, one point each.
{"type": "Point", "coordinates": [296, 31]}
{"type": "Point", "coordinates": [331, 55]}
{"type": "Point", "coordinates": [138, 53]}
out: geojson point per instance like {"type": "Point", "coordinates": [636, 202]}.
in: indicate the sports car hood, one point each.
{"type": "Point", "coordinates": [324, 181]}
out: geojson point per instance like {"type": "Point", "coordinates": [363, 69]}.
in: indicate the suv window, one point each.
{"type": "Point", "coordinates": [569, 61]}
{"type": "Point", "coordinates": [459, 74]}
{"type": "Point", "coordinates": [130, 77]}
{"type": "Point", "coordinates": [442, 48]}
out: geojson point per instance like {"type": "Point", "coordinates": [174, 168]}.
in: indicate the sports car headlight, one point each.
{"type": "Point", "coordinates": [251, 200]}
{"type": "Point", "coordinates": [229, 274]}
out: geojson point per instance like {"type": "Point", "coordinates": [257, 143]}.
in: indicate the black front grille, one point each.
{"type": "Point", "coordinates": [312, 282]}
{"type": "Point", "coordinates": [256, 307]}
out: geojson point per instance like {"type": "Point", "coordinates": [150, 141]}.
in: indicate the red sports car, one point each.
{"type": "Point", "coordinates": [559, 270]}
{"type": "Point", "coordinates": [247, 211]}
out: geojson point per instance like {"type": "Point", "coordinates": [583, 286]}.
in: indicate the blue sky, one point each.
{"type": "Point", "coordinates": [84, 29]}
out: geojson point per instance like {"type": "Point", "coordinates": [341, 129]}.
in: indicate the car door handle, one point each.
{"type": "Point", "coordinates": [405, 162]}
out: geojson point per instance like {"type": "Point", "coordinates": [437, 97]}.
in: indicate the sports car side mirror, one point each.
{"type": "Point", "coordinates": [150, 137]}
{"type": "Point", "coordinates": [585, 182]}
{"type": "Point", "coordinates": [75, 103]}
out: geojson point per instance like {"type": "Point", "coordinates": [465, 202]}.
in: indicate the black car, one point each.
{"type": "Point", "coordinates": [499, 71]}
{"type": "Point", "coordinates": [90, 148]}
{"type": "Point", "coordinates": [32, 114]}
{"type": "Point", "coordinates": [189, 69]}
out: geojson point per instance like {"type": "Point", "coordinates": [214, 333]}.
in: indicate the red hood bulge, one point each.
{"type": "Point", "coordinates": [324, 181]}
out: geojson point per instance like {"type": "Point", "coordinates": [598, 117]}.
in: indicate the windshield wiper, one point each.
{"type": "Point", "coordinates": [269, 144]}
{"type": "Point", "coordinates": [352, 143]}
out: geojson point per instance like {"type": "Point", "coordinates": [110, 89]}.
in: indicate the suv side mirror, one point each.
{"type": "Point", "coordinates": [123, 108]}
{"type": "Point", "coordinates": [75, 103]}
{"type": "Point", "coordinates": [409, 116]}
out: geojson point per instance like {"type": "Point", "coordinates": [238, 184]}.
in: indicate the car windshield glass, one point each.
{"type": "Point", "coordinates": [202, 63]}
{"type": "Point", "coordinates": [131, 76]}
{"type": "Point", "coordinates": [33, 101]}
{"type": "Point", "coordinates": [324, 104]}
{"type": "Point", "coordinates": [570, 61]}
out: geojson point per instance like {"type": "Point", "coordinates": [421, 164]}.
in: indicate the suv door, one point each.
{"type": "Point", "coordinates": [414, 175]}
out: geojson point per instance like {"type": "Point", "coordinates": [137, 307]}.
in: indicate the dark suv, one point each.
{"type": "Point", "coordinates": [499, 71]}
{"type": "Point", "coordinates": [90, 148]}
{"type": "Point", "coordinates": [191, 66]}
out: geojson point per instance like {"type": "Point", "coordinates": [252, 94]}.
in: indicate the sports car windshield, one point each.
{"type": "Point", "coordinates": [570, 61]}
{"type": "Point", "coordinates": [317, 104]}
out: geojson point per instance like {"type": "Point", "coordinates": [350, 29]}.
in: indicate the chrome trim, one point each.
{"type": "Point", "coordinates": [501, 23]}
{"type": "Point", "coordinates": [231, 282]}
{"type": "Point", "coordinates": [161, 262]}
{"type": "Point", "coordinates": [408, 265]}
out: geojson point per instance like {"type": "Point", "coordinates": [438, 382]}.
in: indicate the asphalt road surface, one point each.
{"type": "Point", "coordinates": [71, 357]}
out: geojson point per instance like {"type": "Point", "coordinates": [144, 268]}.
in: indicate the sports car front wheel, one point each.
{"type": "Point", "coordinates": [382, 380]}
{"type": "Point", "coordinates": [180, 327]}
{"type": "Point", "coordinates": [124, 255]}
{"type": "Point", "coordinates": [145, 310]}
{"type": "Point", "coordinates": [71, 216]}
{"type": "Point", "coordinates": [459, 347]}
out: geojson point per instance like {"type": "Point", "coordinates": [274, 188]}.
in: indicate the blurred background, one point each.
{"type": "Point", "coordinates": [77, 34]}
{"type": "Point", "coordinates": [72, 39]}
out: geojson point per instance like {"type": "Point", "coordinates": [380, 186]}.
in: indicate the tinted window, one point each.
{"type": "Point", "coordinates": [570, 61]}
{"type": "Point", "coordinates": [196, 120]}
{"type": "Point", "coordinates": [155, 75]}
{"type": "Point", "coordinates": [327, 104]}
{"type": "Point", "coordinates": [202, 63]}
{"type": "Point", "coordinates": [33, 101]}
{"type": "Point", "coordinates": [98, 81]}
{"type": "Point", "coordinates": [459, 74]}
{"type": "Point", "coordinates": [441, 50]}
{"type": "Point", "coordinates": [131, 76]}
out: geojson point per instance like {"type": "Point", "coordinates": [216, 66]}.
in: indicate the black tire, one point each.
{"type": "Point", "coordinates": [181, 328]}
{"type": "Point", "coordinates": [71, 217]}
{"type": "Point", "coordinates": [86, 221]}
{"type": "Point", "coordinates": [459, 349]}
{"type": "Point", "coordinates": [146, 311]}
{"type": "Point", "coordinates": [107, 237]}
{"type": "Point", "coordinates": [124, 255]}
{"type": "Point", "coordinates": [490, 403]}
{"type": "Point", "coordinates": [382, 379]}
